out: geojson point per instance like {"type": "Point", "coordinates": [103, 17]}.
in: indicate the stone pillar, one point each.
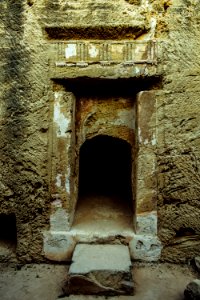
{"type": "Point", "coordinates": [63, 133]}
{"type": "Point", "coordinates": [146, 190]}
{"type": "Point", "coordinates": [58, 245]}
{"type": "Point", "coordinates": [145, 245]}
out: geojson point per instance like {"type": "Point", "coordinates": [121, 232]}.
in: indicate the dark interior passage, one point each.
{"type": "Point", "coordinates": [8, 231]}
{"type": "Point", "coordinates": [105, 167]}
{"type": "Point", "coordinates": [105, 203]}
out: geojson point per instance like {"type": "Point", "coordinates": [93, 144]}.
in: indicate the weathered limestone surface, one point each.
{"type": "Point", "coordinates": [145, 248]}
{"type": "Point", "coordinates": [178, 136]}
{"type": "Point", "coordinates": [100, 269]}
{"type": "Point", "coordinates": [58, 246]}
{"type": "Point", "coordinates": [24, 122]}
{"type": "Point", "coordinates": [27, 156]}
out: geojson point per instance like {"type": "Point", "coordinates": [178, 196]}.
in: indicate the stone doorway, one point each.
{"type": "Point", "coordinates": [84, 112]}
{"type": "Point", "coordinates": [102, 87]}
{"type": "Point", "coordinates": [105, 199]}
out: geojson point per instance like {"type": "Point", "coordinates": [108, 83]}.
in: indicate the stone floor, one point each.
{"type": "Point", "coordinates": [46, 282]}
{"type": "Point", "coordinates": [103, 214]}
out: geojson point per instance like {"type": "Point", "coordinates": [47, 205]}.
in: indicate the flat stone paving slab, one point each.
{"type": "Point", "coordinates": [100, 270]}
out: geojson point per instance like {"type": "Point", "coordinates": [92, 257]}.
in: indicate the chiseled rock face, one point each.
{"type": "Point", "coordinates": [192, 291]}
{"type": "Point", "coordinates": [100, 269]}
{"type": "Point", "coordinates": [27, 31]}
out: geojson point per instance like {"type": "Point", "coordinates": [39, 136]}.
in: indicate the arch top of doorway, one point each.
{"type": "Point", "coordinates": [106, 136]}
{"type": "Point", "coordinates": [121, 134]}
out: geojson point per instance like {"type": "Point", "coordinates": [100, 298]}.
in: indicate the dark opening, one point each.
{"type": "Point", "coordinates": [94, 32]}
{"type": "Point", "coordinates": [105, 167]}
{"type": "Point", "coordinates": [182, 232]}
{"type": "Point", "coordinates": [8, 231]}
{"type": "Point", "coordinates": [128, 87]}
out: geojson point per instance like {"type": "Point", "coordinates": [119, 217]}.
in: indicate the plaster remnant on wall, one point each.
{"type": "Point", "coordinates": [151, 34]}
{"type": "Point", "coordinates": [145, 4]}
{"type": "Point", "coordinates": [93, 51]}
{"type": "Point", "coordinates": [60, 119]}
{"type": "Point", "coordinates": [68, 173]}
{"type": "Point", "coordinates": [147, 223]}
{"type": "Point", "coordinates": [153, 23]}
{"type": "Point", "coordinates": [140, 48]}
{"type": "Point", "coordinates": [125, 117]}
{"type": "Point", "coordinates": [58, 180]}
{"type": "Point", "coordinates": [146, 118]}
{"type": "Point", "coordinates": [137, 70]}
{"type": "Point", "coordinates": [59, 220]}
{"type": "Point", "coordinates": [67, 184]}
{"type": "Point", "coordinates": [70, 50]}
{"type": "Point", "coordinates": [56, 203]}
{"type": "Point", "coordinates": [139, 135]}
{"type": "Point", "coordinates": [154, 140]}
{"type": "Point", "coordinates": [145, 72]}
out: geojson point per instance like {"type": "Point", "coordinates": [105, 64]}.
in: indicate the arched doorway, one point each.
{"type": "Point", "coordinates": [105, 184]}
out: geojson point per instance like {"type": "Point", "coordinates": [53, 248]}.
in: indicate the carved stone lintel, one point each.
{"type": "Point", "coordinates": [105, 52]}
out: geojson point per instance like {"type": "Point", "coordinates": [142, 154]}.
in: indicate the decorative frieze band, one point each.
{"type": "Point", "coordinates": [83, 53]}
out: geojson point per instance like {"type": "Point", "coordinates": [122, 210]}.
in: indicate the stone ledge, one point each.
{"type": "Point", "coordinates": [59, 245]}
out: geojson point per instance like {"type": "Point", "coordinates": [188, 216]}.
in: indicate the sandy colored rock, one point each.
{"type": "Point", "coordinates": [42, 130]}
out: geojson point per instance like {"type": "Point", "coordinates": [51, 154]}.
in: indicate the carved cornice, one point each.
{"type": "Point", "coordinates": [87, 54]}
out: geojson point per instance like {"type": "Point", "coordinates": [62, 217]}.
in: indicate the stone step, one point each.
{"type": "Point", "coordinates": [100, 270]}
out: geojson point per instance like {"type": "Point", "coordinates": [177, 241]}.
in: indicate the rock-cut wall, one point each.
{"type": "Point", "coordinates": [27, 30]}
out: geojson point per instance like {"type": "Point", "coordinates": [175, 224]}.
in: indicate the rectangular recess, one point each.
{"type": "Point", "coordinates": [101, 32]}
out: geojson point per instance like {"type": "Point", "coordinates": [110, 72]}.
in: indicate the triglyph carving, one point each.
{"type": "Point", "coordinates": [84, 53]}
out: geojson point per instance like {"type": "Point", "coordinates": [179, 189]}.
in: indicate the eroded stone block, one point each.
{"type": "Point", "coordinates": [100, 270]}
{"type": "Point", "coordinates": [145, 248]}
{"type": "Point", "coordinates": [58, 246]}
